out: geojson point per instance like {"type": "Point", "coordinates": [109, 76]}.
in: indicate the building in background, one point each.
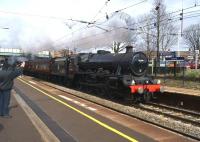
{"type": "Point", "coordinates": [43, 54]}
{"type": "Point", "coordinates": [6, 52]}
{"type": "Point", "coordinates": [61, 53]}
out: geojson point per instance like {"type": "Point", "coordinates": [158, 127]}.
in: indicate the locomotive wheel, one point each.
{"type": "Point", "coordinates": [67, 83]}
{"type": "Point", "coordinates": [101, 92]}
{"type": "Point", "coordinates": [131, 99]}
{"type": "Point", "coordinates": [79, 86]}
{"type": "Point", "coordinates": [135, 100]}
{"type": "Point", "coordinates": [109, 94]}
{"type": "Point", "coordinates": [87, 89]}
{"type": "Point", "coordinates": [147, 96]}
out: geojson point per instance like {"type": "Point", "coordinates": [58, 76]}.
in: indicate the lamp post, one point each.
{"type": "Point", "coordinates": [157, 64]}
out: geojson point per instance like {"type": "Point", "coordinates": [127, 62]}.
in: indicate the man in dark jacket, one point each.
{"type": "Point", "coordinates": [7, 75]}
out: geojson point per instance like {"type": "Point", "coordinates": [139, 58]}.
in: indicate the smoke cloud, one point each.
{"type": "Point", "coordinates": [33, 34]}
{"type": "Point", "coordinates": [116, 28]}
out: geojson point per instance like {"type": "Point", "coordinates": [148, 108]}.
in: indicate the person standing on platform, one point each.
{"type": "Point", "coordinates": [7, 76]}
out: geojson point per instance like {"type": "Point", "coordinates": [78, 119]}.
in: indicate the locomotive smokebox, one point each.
{"type": "Point", "coordinates": [129, 49]}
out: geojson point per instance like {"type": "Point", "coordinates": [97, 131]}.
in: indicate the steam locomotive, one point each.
{"type": "Point", "coordinates": [123, 74]}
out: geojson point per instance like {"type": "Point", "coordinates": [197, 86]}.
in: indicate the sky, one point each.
{"type": "Point", "coordinates": [35, 25]}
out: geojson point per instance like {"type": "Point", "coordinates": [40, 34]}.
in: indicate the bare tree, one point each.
{"type": "Point", "coordinates": [147, 35]}
{"type": "Point", "coordinates": [192, 37]}
{"type": "Point", "coordinates": [119, 46]}
{"type": "Point", "coordinates": [156, 30]}
{"type": "Point", "coordinates": [165, 29]}
{"type": "Point", "coordinates": [116, 48]}
{"type": "Point", "coordinates": [168, 35]}
{"type": "Point", "coordinates": [125, 31]}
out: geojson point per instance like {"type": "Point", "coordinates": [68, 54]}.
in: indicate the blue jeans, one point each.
{"type": "Point", "coordinates": [4, 102]}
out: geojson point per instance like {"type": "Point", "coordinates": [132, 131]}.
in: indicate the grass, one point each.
{"type": "Point", "coordinates": [192, 73]}
{"type": "Point", "coordinates": [181, 83]}
{"type": "Point", "coordinates": [190, 81]}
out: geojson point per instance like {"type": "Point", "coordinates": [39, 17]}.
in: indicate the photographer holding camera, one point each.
{"type": "Point", "coordinates": [9, 72]}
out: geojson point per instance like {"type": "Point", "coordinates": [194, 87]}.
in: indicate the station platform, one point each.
{"type": "Point", "coordinates": [67, 120]}
{"type": "Point", "coordinates": [18, 128]}
{"type": "Point", "coordinates": [183, 91]}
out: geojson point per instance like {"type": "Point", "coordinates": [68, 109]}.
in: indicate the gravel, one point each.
{"type": "Point", "coordinates": [178, 126]}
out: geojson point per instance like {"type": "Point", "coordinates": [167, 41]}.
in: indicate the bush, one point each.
{"type": "Point", "coordinates": [194, 74]}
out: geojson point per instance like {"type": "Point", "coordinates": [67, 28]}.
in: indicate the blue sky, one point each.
{"type": "Point", "coordinates": [36, 23]}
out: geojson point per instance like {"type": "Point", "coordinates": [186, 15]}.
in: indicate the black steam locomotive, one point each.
{"type": "Point", "coordinates": [110, 74]}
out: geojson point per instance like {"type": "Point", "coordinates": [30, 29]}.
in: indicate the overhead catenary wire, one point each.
{"type": "Point", "coordinates": [87, 42]}
{"type": "Point", "coordinates": [170, 13]}
{"type": "Point", "coordinates": [105, 4]}
{"type": "Point", "coordinates": [94, 35]}
{"type": "Point", "coordinates": [166, 19]}
{"type": "Point", "coordinates": [119, 10]}
{"type": "Point", "coordinates": [53, 17]}
{"type": "Point", "coordinates": [175, 17]}
{"type": "Point", "coordinates": [187, 15]}
{"type": "Point", "coordinates": [94, 22]}
{"type": "Point", "coordinates": [135, 4]}
{"type": "Point", "coordinates": [63, 18]}
{"type": "Point", "coordinates": [45, 16]}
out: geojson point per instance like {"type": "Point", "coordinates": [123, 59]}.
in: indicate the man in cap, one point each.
{"type": "Point", "coordinates": [7, 76]}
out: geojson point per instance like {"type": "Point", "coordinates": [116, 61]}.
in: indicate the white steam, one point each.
{"type": "Point", "coordinates": [116, 28]}
{"type": "Point", "coordinates": [36, 34]}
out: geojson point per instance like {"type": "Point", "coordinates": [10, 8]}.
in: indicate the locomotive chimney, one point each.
{"type": "Point", "coordinates": [129, 49]}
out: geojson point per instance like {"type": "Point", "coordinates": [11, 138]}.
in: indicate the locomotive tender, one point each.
{"type": "Point", "coordinates": [111, 74]}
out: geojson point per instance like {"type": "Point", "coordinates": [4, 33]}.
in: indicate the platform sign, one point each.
{"type": "Point", "coordinates": [168, 54]}
{"type": "Point", "coordinates": [175, 59]}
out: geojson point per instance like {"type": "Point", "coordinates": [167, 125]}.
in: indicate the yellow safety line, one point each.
{"type": "Point", "coordinates": [84, 114]}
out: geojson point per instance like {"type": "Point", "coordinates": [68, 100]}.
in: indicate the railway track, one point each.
{"type": "Point", "coordinates": [183, 116]}
{"type": "Point", "coordinates": [173, 112]}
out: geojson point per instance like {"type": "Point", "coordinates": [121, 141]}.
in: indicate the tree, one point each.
{"type": "Point", "coordinates": [118, 46]}
{"type": "Point", "coordinates": [122, 26]}
{"type": "Point", "coordinates": [165, 29]}
{"type": "Point", "coordinates": [147, 35]}
{"type": "Point", "coordinates": [156, 30]}
{"type": "Point", "coordinates": [191, 36]}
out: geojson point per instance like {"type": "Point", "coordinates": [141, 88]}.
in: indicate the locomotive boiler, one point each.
{"type": "Point", "coordinates": [135, 64]}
